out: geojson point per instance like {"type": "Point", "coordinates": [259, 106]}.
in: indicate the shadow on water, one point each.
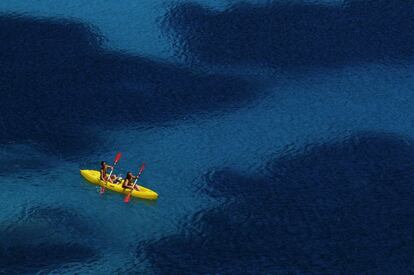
{"type": "Point", "coordinates": [296, 34]}
{"type": "Point", "coordinates": [44, 238]}
{"type": "Point", "coordinates": [58, 83]}
{"type": "Point", "coordinates": [21, 160]}
{"type": "Point", "coordinates": [342, 207]}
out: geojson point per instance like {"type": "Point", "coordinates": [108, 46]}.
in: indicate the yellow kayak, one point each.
{"type": "Point", "coordinates": [93, 176]}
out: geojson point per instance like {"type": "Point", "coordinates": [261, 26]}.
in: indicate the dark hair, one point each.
{"type": "Point", "coordinates": [102, 163]}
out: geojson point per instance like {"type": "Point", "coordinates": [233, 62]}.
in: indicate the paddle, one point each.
{"type": "Point", "coordinates": [117, 157]}
{"type": "Point", "coordinates": [128, 197]}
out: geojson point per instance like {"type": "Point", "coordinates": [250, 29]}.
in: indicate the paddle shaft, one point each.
{"type": "Point", "coordinates": [139, 174]}
{"type": "Point", "coordinates": [112, 170]}
{"type": "Point", "coordinates": [135, 182]}
{"type": "Point", "coordinates": [117, 157]}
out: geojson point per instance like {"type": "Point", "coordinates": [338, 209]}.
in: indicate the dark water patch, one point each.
{"type": "Point", "coordinates": [341, 207]}
{"type": "Point", "coordinates": [58, 84]}
{"type": "Point", "coordinates": [21, 165]}
{"type": "Point", "coordinates": [42, 257]}
{"type": "Point", "coordinates": [19, 160]}
{"type": "Point", "coordinates": [44, 238]}
{"type": "Point", "coordinates": [61, 217]}
{"type": "Point", "coordinates": [293, 34]}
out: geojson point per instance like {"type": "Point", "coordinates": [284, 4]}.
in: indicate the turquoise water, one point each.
{"type": "Point", "coordinates": [45, 201]}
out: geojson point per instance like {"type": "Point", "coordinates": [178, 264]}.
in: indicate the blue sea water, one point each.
{"type": "Point", "coordinates": [278, 134]}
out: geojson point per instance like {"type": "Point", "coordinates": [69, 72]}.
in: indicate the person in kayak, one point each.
{"type": "Point", "coordinates": [129, 181]}
{"type": "Point", "coordinates": [104, 176]}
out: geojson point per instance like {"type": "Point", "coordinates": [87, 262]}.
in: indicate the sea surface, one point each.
{"type": "Point", "coordinates": [279, 136]}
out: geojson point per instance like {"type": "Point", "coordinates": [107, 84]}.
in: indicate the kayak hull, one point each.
{"type": "Point", "coordinates": [93, 177]}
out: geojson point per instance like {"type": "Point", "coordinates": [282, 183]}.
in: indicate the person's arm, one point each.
{"type": "Point", "coordinates": [136, 185]}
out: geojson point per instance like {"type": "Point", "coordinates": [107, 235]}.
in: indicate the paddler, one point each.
{"type": "Point", "coordinates": [129, 181]}
{"type": "Point", "coordinates": [104, 176]}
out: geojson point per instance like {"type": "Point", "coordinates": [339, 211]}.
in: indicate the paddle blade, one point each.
{"type": "Point", "coordinates": [141, 170]}
{"type": "Point", "coordinates": [102, 190]}
{"type": "Point", "coordinates": [117, 157]}
{"type": "Point", "coordinates": [127, 198]}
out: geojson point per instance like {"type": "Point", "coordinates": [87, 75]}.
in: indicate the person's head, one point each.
{"type": "Point", "coordinates": [103, 163]}
{"type": "Point", "coordinates": [129, 175]}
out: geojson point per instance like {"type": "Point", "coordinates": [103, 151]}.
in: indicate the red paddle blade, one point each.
{"type": "Point", "coordinates": [142, 169]}
{"type": "Point", "coordinates": [127, 198]}
{"type": "Point", "coordinates": [102, 190]}
{"type": "Point", "coordinates": [117, 157]}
